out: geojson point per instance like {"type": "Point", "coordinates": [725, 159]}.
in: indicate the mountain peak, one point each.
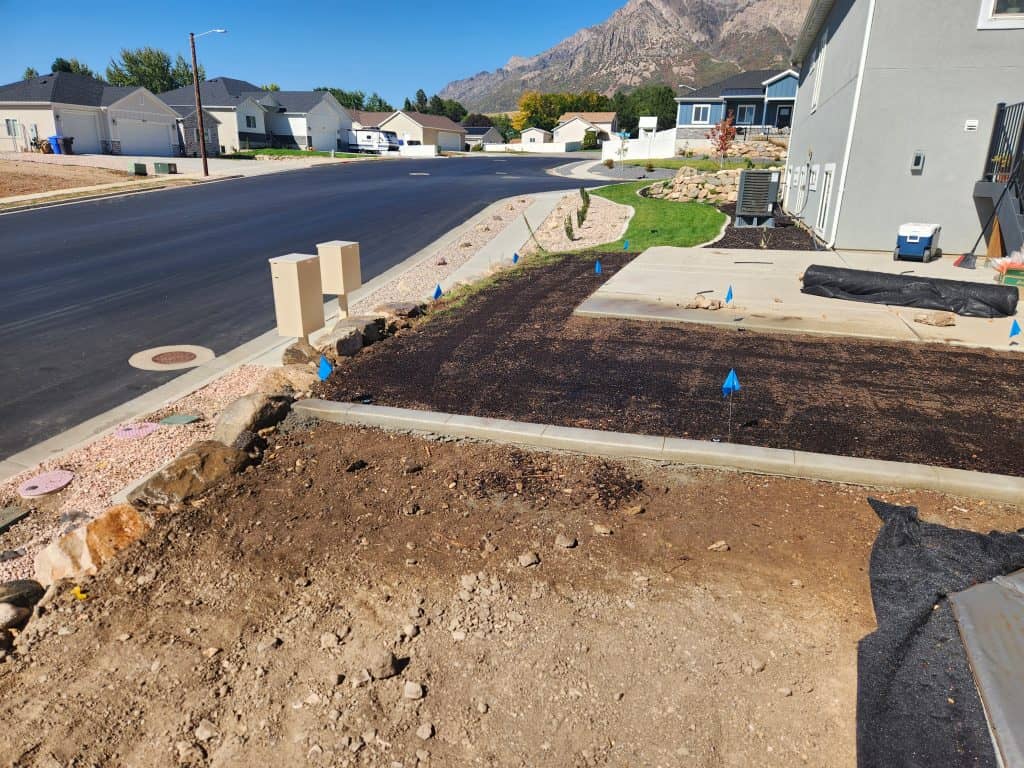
{"type": "Point", "coordinates": [670, 41]}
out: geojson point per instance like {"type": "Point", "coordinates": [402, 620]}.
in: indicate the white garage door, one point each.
{"type": "Point", "coordinates": [83, 127]}
{"type": "Point", "coordinates": [449, 140]}
{"type": "Point", "coordinates": [144, 138]}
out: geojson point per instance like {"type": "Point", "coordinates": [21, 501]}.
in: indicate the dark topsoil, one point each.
{"type": "Point", "coordinates": [515, 351]}
{"type": "Point", "coordinates": [785, 235]}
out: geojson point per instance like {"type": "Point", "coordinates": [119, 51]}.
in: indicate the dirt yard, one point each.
{"type": "Point", "coordinates": [515, 351]}
{"type": "Point", "coordinates": [698, 619]}
{"type": "Point", "coordinates": [25, 178]}
{"type": "Point", "coordinates": [785, 235]}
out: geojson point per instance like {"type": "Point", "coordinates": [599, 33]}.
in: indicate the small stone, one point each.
{"type": "Point", "coordinates": [481, 707]}
{"type": "Point", "coordinates": [410, 630]}
{"type": "Point", "coordinates": [636, 509]}
{"type": "Point", "coordinates": [268, 644]}
{"type": "Point", "coordinates": [719, 546]}
{"type": "Point", "coordinates": [211, 652]}
{"type": "Point", "coordinates": [356, 465]}
{"type": "Point", "coordinates": [619, 696]}
{"type": "Point", "coordinates": [189, 753]}
{"type": "Point", "coordinates": [796, 583]}
{"type": "Point", "coordinates": [566, 542]}
{"type": "Point", "coordinates": [602, 530]}
{"type": "Point", "coordinates": [329, 641]}
{"type": "Point", "coordinates": [468, 581]}
{"type": "Point", "coordinates": [785, 692]}
{"type": "Point", "coordinates": [205, 730]}
{"type": "Point", "coordinates": [422, 755]}
{"type": "Point", "coordinates": [756, 665]}
{"type": "Point", "coordinates": [458, 635]}
{"type": "Point", "coordinates": [425, 731]}
{"type": "Point", "coordinates": [382, 664]}
{"type": "Point", "coordinates": [361, 678]}
{"type": "Point", "coordinates": [412, 690]}
{"type": "Point", "coordinates": [528, 559]}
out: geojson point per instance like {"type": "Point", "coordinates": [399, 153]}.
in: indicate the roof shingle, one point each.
{"type": "Point", "coordinates": [743, 84]}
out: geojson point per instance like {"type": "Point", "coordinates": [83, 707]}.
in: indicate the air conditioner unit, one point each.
{"type": "Point", "coordinates": [755, 203]}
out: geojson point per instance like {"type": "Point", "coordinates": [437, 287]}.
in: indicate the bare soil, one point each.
{"type": "Point", "coordinates": [25, 178]}
{"type": "Point", "coordinates": [516, 351]}
{"type": "Point", "coordinates": [237, 631]}
{"type": "Point", "coordinates": [786, 235]}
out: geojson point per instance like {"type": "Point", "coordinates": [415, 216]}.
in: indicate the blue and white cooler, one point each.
{"type": "Point", "coordinates": [917, 242]}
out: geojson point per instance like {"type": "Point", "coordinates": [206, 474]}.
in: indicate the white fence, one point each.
{"type": "Point", "coordinates": [548, 147]}
{"type": "Point", "coordinates": [418, 150]}
{"type": "Point", "coordinates": [651, 146]}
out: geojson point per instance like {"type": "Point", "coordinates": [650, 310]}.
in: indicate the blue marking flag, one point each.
{"type": "Point", "coordinates": [625, 245]}
{"type": "Point", "coordinates": [515, 258]}
{"type": "Point", "coordinates": [597, 267]}
{"type": "Point", "coordinates": [325, 369]}
{"type": "Point", "coordinates": [1015, 329]}
{"type": "Point", "coordinates": [438, 293]}
{"type": "Point", "coordinates": [728, 296]}
{"type": "Point", "coordinates": [731, 383]}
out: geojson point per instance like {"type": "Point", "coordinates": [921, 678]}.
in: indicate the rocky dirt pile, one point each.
{"type": "Point", "coordinates": [758, 149]}
{"type": "Point", "coordinates": [370, 599]}
{"type": "Point", "coordinates": [704, 186]}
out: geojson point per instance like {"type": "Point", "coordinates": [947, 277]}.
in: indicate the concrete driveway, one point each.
{"type": "Point", "coordinates": [766, 295]}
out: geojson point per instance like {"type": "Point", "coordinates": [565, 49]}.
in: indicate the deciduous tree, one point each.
{"type": "Point", "coordinates": [30, 72]}
{"type": "Point", "coordinates": [150, 68]}
{"type": "Point", "coordinates": [71, 65]}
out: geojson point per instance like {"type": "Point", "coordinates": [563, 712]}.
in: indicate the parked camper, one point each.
{"type": "Point", "coordinates": [372, 140]}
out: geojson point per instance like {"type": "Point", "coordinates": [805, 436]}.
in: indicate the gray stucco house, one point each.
{"type": "Point", "coordinates": [897, 117]}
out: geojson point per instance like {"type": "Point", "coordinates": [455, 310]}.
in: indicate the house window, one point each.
{"type": "Point", "coordinates": [250, 121]}
{"type": "Point", "coordinates": [1001, 14]}
{"type": "Point", "coordinates": [12, 127]}
{"type": "Point", "coordinates": [824, 203]}
{"type": "Point", "coordinates": [819, 69]}
{"type": "Point", "coordinates": [702, 113]}
{"type": "Point", "coordinates": [812, 179]}
{"type": "Point", "coordinates": [745, 114]}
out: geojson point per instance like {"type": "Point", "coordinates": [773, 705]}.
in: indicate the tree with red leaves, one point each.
{"type": "Point", "coordinates": [722, 136]}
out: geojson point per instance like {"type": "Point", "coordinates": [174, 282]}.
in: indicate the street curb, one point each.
{"type": "Point", "coordinates": [253, 351]}
{"type": "Point", "coordinates": [745, 458]}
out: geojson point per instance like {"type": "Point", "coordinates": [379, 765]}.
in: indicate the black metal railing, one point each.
{"type": "Point", "coordinates": [1005, 161]}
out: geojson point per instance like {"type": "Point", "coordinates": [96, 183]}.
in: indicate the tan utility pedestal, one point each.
{"type": "Point", "coordinates": [298, 294]}
{"type": "Point", "coordinates": [340, 271]}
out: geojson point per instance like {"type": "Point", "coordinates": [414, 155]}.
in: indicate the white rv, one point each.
{"type": "Point", "coordinates": [372, 140]}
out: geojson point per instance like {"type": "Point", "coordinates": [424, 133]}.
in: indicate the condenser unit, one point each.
{"type": "Point", "coordinates": [755, 203]}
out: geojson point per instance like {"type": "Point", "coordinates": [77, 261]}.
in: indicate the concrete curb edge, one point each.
{"type": "Point", "coordinates": [745, 458]}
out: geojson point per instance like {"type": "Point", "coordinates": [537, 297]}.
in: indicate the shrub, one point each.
{"type": "Point", "coordinates": [581, 212]}
{"type": "Point", "coordinates": [649, 167]}
{"type": "Point", "coordinates": [609, 163]}
{"type": "Point", "coordinates": [477, 148]}
{"type": "Point", "coordinates": [568, 228]}
{"type": "Point", "coordinates": [589, 140]}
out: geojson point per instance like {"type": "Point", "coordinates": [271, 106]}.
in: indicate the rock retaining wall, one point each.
{"type": "Point", "coordinates": [705, 186]}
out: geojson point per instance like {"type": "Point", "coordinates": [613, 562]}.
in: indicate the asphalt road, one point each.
{"type": "Point", "coordinates": [86, 285]}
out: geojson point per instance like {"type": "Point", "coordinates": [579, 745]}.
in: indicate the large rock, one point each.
{"type": "Point", "coordinates": [300, 352]}
{"type": "Point", "coordinates": [23, 593]}
{"type": "Point", "coordinates": [344, 342]}
{"type": "Point", "coordinates": [403, 309]}
{"type": "Point", "coordinates": [248, 415]}
{"type": "Point", "coordinates": [13, 616]}
{"type": "Point", "coordinates": [373, 328]}
{"type": "Point", "coordinates": [297, 379]}
{"type": "Point", "coordinates": [83, 551]}
{"type": "Point", "coordinates": [198, 468]}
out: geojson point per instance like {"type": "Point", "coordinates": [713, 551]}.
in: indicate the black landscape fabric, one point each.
{"type": "Point", "coordinates": [967, 299]}
{"type": "Point", "coordinates": [917, 704]}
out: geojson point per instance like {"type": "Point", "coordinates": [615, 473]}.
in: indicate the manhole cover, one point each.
{"type": "Point", "coordinates": [178, 356]}
{"type": "Point", "coordinates": [130, 431]}
{"type": "Point", "coordinates": [171, 358]}
{"type": "Point", "coordinates": [47, 482]}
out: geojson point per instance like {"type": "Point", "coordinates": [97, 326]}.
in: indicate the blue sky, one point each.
{"type": "Point", "coordinates": [389, 46]}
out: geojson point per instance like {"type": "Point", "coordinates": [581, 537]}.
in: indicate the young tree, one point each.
{"type": "Point", "coordinates": [376, 103]}
{"type": "Point", "coordinates": [71, 65]}
{"type": "Point", "coordinates": [722, 136]}
{"type": "Point", "coordinates": [504, 125]}
{"type": "Point", "coordinates": [453, 110]}
{"type": "Point", "coordinates": [421, 101]}
{"type": "Point", "coordinates": [147, 67]}
{"type": "Point", "coordinates": [181, 72]}
{"type": "Point", "coordinates": [30, 72]}
{"type": "Point", "coordinates": [408, 106]}
{"type": "Point", "coordinates": [270, 87]}
{"type": "Point", "coordinates": [435, 106]}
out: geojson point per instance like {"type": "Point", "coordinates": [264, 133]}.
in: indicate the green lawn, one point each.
{"type": "Point", "coordinates": [700, 163]}
{"type": "Point", "coordinates": [248, 153]}
{"type": "Point", "coordinates": [662, 222]}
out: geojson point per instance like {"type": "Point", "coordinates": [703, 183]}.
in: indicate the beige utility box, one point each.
{"type": "Point", "coordinates": [339, 267]}
{"type": "Point", "coordinates": [298, 294]}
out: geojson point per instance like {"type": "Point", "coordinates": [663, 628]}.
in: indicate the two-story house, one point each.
{"type": "Point", "coordinates": [760, 101]}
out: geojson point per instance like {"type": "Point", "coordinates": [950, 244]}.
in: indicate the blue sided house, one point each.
{"type": "Point", "coordinates": [760, 101]}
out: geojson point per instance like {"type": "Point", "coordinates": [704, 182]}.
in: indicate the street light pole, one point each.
{"type": "Point", "coordinates": [199, 101]}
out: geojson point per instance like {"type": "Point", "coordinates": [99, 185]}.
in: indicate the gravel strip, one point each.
{"type": "Point", "coordinates": [418, 282]}
{"type": "Point", "coordinates": [606, 222]}
{"type": "Point", "coordinates": [108, 464]}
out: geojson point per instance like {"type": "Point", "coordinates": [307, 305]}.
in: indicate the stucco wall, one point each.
{"type": "Point", "coordinates": [919, 91]}
{"type": "Point", "coordinates": [41, 117]}
{"type": "Point", "coordinates": [406, 128]}
{"type": "Point", "coordinates": [227, 127]}
{"type": "Point", "coordinates": [819, 137]}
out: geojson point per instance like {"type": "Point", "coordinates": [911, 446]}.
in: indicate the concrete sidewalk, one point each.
{"type": "Point", "coordinates": [766, 295]}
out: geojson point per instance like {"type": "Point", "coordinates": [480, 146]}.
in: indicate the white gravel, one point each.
{"type": "Point", "coordinates": [418, 282]}
{"type": "Point", "coordinates": [108, 464]}
{"type": "Point", "coordinates": [606, 222]}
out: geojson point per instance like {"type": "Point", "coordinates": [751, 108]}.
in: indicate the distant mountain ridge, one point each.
{"type": "Point", "coordinates": [673, 41]}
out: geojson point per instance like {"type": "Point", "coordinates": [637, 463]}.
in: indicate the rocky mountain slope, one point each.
{"type": "Point", "coordinates": [674, 41]}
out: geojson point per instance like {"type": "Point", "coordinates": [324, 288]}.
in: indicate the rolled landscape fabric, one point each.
{"type": "Point", "coordinates": [963, 298]}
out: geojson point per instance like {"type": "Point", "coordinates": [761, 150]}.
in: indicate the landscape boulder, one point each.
{"type": "Point", "coordinates": [297, 379]}
{"type": "Point", "coordinates": [372, 327]}
{"type": "Point", "coordinates": [403, 309]}
{"type": "Point", "coordinates": [300, 352]}
{"type": "Point", "coordinates": [248, 415]}
{"type": "Point", "coordinates": [83, 551]}
{"type": "Point", "coordinates": [198, 468]}
{"type": "Point", "coordinates": [344, 342]}
{"type": "Point", "coordinates": [23, 593]}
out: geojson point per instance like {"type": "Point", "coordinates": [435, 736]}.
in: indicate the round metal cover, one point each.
{"type": "Point", "coordinates": [171, 358]}
{"type": "Point", "coordinates": [47, 482]}
{"type": "Point", "coordinates": [141, 429]}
